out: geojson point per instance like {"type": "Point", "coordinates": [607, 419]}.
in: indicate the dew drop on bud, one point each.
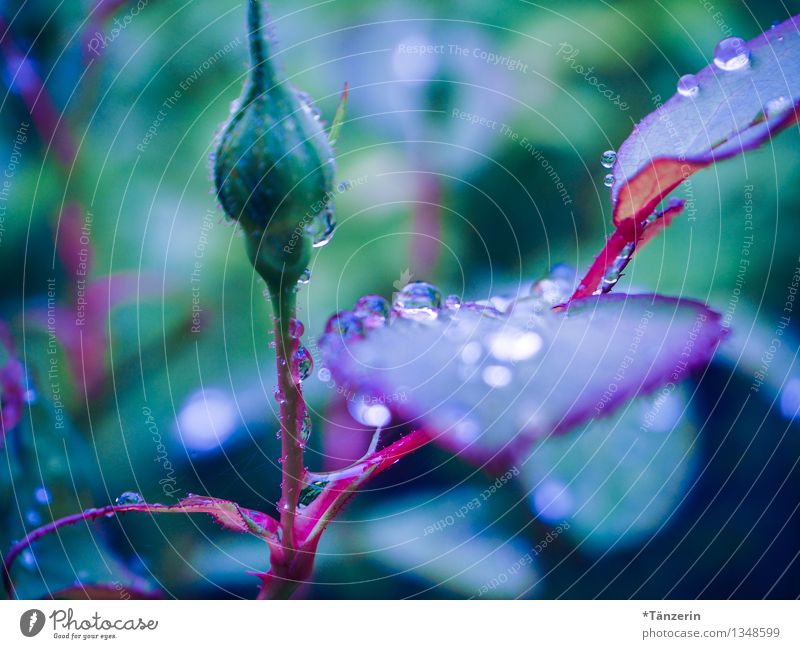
{"type": "Point", "coordinates": [688, 86]}
{"type": "Point", "coordinates": [731, 54]}
{"type": "Point", "coordinates": [608, 158]}
{"type": "Point", "coordinates": [608, 181]}
{"type": "Point", "coordinates": [129, 498]}
{"type": "Point", "coordinates": [305, 277]}
{"type": "Point", "coordinates": [322, 227]}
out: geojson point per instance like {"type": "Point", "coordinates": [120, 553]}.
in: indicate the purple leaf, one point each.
{"type": "Point", "coordinates": [225, 512]}
{"type": "Point", "coordinates": [488, 384]}
{"type": "Point", "coordinates": [750, 91]}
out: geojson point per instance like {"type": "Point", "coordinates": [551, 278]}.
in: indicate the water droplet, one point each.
{"type": "Point", "coordinates": [129, 498]}
{"type": "Point", "coordinates": [452, 302]}
{"type": "Point", "coordinates": [345, 324]}
{"type": "Point", "coordinates": [33, 518]}
{"type": "Point", "coordinates": [28, 560]}
{"type": "Point", "coordinates": [471, 352]}
{"type": "Point", "coordinates": [608, 158]}
{"type": "Point", "coordinates": [418, 301]}
{"type": "Point", "coordinates": [496, 376]}
{"type": "Point", "coordinates": [311, 492]}
{"type": "Point", "coordinates": [731, 54]}
{"type": "Point", "coordinates": [777, 107]}
{"type": "Point", "coordinates": [42, 496]}
{"type": "Point", "coordinates": [688, 86]}
{"type": "Point", "coordinates": [608, 180]}
{"type": "Point", "coordinates": [322, 227]}
{"type": "Point", "coordinates": [553, 501]}
{"type": "Point", "coordinates": [551, 291]}
{"type": "Point", "coordinates": [303, 362]}
{"type": "Point", "coordinates": [305, 430]}
{"type": "Point", "coordinates": [375, 415]}
{"type": "Point", "coordinates": [373, 311]}
{"type": "Point", "coordinates": [614, 271]}
{"type": "Point", "coordinates": [296, 328]}
{"type": "Point", "coordinates": [515, 346]}
{"type": "Point", "coordinates": [305, 277]}
{"type": "Point", "coordinates": [308, 104]}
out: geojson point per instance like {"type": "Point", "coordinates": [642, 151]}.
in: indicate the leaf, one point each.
{"type": "Point", "coordinates": [733, 111]}
{"type": "Point", "coordinates": [622, 479]}
{"type": "Point", "coordinates": [338, 119]}
{"type": "Point", "coordinates": [489, 384]}
{"type": "Point", "coordinates": [225, 512]}
{"type": "Point", "coordinates": [447, 543]}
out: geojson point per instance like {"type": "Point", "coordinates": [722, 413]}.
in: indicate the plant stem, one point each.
{"type": "Point", "coordinates": [292, 410]}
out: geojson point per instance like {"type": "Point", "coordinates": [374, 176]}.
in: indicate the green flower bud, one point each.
{"type": "Point", "coordinates": [273, 167]}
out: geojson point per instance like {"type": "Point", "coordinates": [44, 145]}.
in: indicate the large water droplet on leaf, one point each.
{"type": "Point", "coordinates": [418, 301]}
{"type": "Point", "coordinates": [688, 85]}
{"type": "Point", "coordinates": [372, 310]}
{"type": "Point", "coordinates": [345, 324]}
{"type": "Point", "coordinates": [731, 54]}
{"type": "Point", "coordinates": [129, 498]}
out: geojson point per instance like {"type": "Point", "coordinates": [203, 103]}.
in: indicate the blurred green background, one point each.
{"type": "Point", "coordinates": [705, 507]}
